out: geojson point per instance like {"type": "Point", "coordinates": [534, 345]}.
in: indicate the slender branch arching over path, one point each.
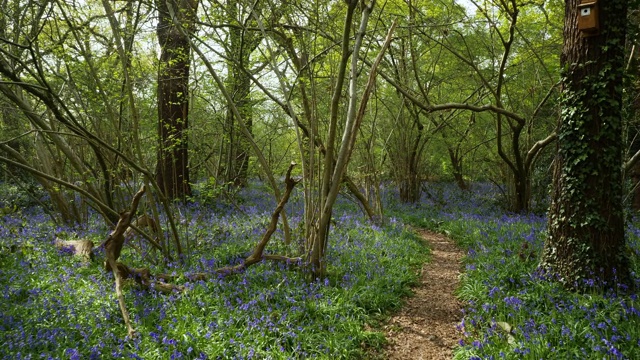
{"type": "Point", "coordinates": [425, 327]}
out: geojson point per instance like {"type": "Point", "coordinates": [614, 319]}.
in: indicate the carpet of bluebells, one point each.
{"type": "Point", "coordinates": [513, 310]}
{"type": "Point", "coordinates": [54, 307]}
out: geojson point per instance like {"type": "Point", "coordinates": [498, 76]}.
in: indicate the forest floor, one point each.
{"type": "Point", "coordinates": [425, 327]}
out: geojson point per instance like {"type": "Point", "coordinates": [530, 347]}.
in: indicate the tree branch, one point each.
{"type": "Point", "coordinates": [537, 147]}
{"type": "Point", "coordinates": [113, 247]}
{"type": "Point", "coordinates": [258, 252]}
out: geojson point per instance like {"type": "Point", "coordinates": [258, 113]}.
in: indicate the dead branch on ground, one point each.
{"type": "Point", "coordinates": [257, 254]}
{"type": "Point", "coordinates": [146, 280]}
{"type": "Point", "coordinates": [113, 247]}
{"type": "Point", "coordinates": [82, 248]}
{"type": "Point", "coordinates": [115, 241]}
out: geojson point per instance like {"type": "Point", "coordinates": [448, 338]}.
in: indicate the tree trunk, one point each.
{"type": "Point", "coordinates": [172, 172]}
{"type": "Point", "coordinates": [411, 181]}
{"type": "Point", "coordinates": [236, 170]}
{"type": "Point", "coordinates": [410, 188]}
{"type": "Point", "coordinates": [586, 224]}
{"type": "Point", "coordinates": [635, 183]}
{"type": "Point", "coordinates": [456, 164]}
{"type": "Point", "coordinates": [521, 198]}
{"type": "Point", "coordinates": [334, 171]}
{"type": "Point", "coordinates": [242, 44]}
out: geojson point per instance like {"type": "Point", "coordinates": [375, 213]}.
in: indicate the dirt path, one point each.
{"type": "Point", "coordinates": [425, 328]}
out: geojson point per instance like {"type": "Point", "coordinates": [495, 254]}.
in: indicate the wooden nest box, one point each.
{"type": "Point", "coordinates": [588, 18]}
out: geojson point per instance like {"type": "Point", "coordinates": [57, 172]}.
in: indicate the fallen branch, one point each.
{"type": "Point", "coordinates": [258, 252]}
{"type": "Point", "coordinates": [142, 221]}
{"type": "Point", "coordinates": [82, 248]}
{"type": "Point", "coordinates": [113, 247]}
{"type": "Point", "coordinates": [136, 226]}
{"type": "Point", "coordinates": [115, 241]}
{"type": "Point", "coordinates": [145, 279]}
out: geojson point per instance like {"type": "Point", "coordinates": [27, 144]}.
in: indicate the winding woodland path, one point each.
{"type": "Point", "coordinates": [425, 327]}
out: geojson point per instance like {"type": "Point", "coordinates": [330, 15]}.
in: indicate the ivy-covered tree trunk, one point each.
{"type": "Point", "coordinates": [586, 224]}
{"type": "Point", "coordinates": [172, 172]}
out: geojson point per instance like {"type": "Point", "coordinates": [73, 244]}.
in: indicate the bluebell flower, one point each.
{"type": "Point", "coordinates": [513, 301]}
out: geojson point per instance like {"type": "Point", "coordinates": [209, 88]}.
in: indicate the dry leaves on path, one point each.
{"type": "Point", "coordinates": [425, 327]}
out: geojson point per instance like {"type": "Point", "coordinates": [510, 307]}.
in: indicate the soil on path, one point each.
{"type": "Point", "coordinates": [425, 327]}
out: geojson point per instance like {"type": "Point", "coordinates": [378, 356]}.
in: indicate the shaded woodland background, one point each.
{"type": "Point", "coordinates": [104, 96]}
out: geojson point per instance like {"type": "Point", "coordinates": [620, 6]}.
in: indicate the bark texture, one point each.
{"type": "Point", "coordinates": [586, 224]}
{"type": "Point", "coordinates": [172, 172]}
{"type": "Point", "coordinates": [242, 44]}
{"type": "Point", "coordinates": [81, 248]}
